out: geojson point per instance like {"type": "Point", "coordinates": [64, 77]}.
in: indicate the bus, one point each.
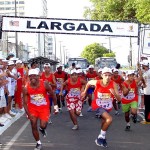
{"type": "Point", "coordinates": [102, 62]}
{"type": "Point", "coordinates": [83, 62]}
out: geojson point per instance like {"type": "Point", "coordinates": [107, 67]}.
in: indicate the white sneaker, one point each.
{"type": "Point", "coordinates": [7, 116]}
{"type": "Point", "coordinates": [12, 113]}
{"type": "Point", "coordinates": [3, 119]}
{"type": "Point", "coordinates": [75, 127]}
{"type": "Point", "coordinates": [81, 115]}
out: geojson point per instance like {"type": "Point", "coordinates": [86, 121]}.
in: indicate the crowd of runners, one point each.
{"type": "Point", "coordinates": [24, 87]}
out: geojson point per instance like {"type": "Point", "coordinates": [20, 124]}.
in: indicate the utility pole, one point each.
{"type": "Point", "coordinates": [55, 47]}
{"type": "Point", "coordinates": [16, 34]}
{"type": "Point", "coordinates": [109, 44]}
{"type": "Point", "coordinates": [130, 54]}
{"type": "Point", "coordinates": [60, 52]}
{"type": "Point", "coordinates": [64, 54]}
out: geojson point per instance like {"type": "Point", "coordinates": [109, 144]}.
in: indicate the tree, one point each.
{"type": "Point", "coordinates": [112, 54]}
{"type": "Point", "coordinates": [92, 51]}
{"type": "Point", "coordinates": [131, 10]}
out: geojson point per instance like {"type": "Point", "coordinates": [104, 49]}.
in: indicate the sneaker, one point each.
{"type": "Point", "coordinates": [134, 118]}
{"type": "Point", "coordinates": [38, 147]}
{"type": "Point", "coordinates": [49, 121]}
{"type": "Point", "coordinates": [12, 113]}
{"type": "Point", "coordinates": [81, 115]}
{"type": "Point", "coordinates": [43, 132]}
{"type": "Point", "coordinates": [1, 125]}
{"type": "Point", "coordinates": [89, 109]}
{"type": "Point", "coordinates": [75, 127]}
{"type": "Point", "coordinates": [144, 122]}
{"type": "Point", "coordinates": [127, 128]}
{"type": "Point", "coordinates": [117, 113]}
{"type": "Point", "coordinates": [101, 142]}
{"type": "Point", "coordinates": [7, 116]}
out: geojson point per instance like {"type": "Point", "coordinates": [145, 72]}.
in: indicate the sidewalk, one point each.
{"type": "Point", "coordinates": [9, 122]}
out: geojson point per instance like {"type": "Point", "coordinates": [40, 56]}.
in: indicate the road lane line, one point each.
{"type": "Point", "coordinates": [16, 136]}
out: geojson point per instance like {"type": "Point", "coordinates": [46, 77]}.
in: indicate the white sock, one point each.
{"type": "Point", "coordinates": [102, 134]}
{"type": "Point", "coordinates": [39, 142]}
{"type": "Point", "coordinates": [128, 123]}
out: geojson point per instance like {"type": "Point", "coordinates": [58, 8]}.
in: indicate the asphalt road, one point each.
{"type": "Point", "coordinates": [61, 137]}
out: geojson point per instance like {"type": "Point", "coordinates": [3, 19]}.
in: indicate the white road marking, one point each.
{"type": "Point", "coordinates": [16, 136]}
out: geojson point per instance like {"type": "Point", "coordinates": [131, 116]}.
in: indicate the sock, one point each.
{"type": "Point", "coordinates": [128, 123]}
{"type": "Point", "coordinates": [39, 142]}
{"type": "Point", "coordinates": [102, 134]}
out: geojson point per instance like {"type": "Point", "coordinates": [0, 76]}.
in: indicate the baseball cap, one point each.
{"type": "Point", "coordinates": [79, 71]}
{"type": "Point", "coordinates": [130, 72]}
{"type": "Point", "coordinates": [73, 71]}
{"type": "Point", "coordinates": [33, 71]}
{"type": "Point", "coordinates": [59, 66]}
{"type": "Point", "coordinates": [11, 54]}
{"type": "Point", "coordinates": [99, 70]}
{"type": "Point", "coordinates": [18, 62]}
{"type": "Point", "coordinates": [47, 65]}
{"type": "Point", "coordinates": [10, 63]}
{"type": "Point", "coordinates": [14, 59]}
{"type": "Point", "coordinates": [5, 60]}
{"type": "Point", "coordinates": [78, 66]}
{"type": "Point", "coordinates": [105, 70]}
{"type": "Point", "coordinates": [145, 63]}
{"type": "Point", "coordinates": [91, 66]}
{"type": "Point", "coordinates": [115, 70]}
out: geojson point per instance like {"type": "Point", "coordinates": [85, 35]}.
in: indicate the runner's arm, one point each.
{"type": "Point", "coordinates": [62, 87]}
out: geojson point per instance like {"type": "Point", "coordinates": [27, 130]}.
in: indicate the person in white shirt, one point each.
{"type": "Point", "coordinates": [146, 76]}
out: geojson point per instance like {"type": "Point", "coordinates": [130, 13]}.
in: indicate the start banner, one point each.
{"type": "Point", "coordinates": [69, 26]}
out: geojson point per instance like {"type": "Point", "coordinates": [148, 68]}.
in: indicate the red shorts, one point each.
{"type": "Point", "coordinates": [42, 114]}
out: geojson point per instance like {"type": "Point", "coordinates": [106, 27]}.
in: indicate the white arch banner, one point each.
{"type": "Point", "coordinates": [69, 26]}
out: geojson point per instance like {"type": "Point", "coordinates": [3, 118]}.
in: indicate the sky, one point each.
{"type": "Point", "coordinates": [74, 44]}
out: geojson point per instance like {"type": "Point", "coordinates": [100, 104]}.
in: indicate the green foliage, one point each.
{"type": "Point", "coordinates": [131, 10]}
{"type": "Point", "coordinates": [112, 54]}
{"type": "Point", "coordinates": [92, 51]}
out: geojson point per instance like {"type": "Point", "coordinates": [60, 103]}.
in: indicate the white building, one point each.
{"type": "Point", "coordinates": [37, 42]}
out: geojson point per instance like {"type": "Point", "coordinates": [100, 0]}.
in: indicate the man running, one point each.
{"type": "Point", "coordinates": [36, 104]}
{"type": "Point", "coordinates": [105, 90]}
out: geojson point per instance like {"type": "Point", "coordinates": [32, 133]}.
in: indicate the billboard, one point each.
{"type": "Point", "coordinates": [69, 26]}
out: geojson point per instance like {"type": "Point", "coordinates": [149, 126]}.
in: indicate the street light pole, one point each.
{"type": "Point", "coordinates": [55, 46]}
{"type": "Point", "coordinates": [60, 52]}
{"type": "Point", "coordinates": [16, 34]}
{"type": "Point", "coordinates": [64, 53]}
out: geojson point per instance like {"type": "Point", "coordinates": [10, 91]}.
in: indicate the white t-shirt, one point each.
{"type": "Point", "coordinates": [146, 76]}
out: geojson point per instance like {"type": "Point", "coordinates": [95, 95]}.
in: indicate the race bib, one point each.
{"type": "Point", "coordinates": [38, 99]}
{"type": "Point", "coordinates": [59, 82]}
{"type": "Point", "coordinates": [131, 95]}
{"type": "Point", "coordinates": [75, 92]}
{"type": "Point", "coordinates": [104, 100]}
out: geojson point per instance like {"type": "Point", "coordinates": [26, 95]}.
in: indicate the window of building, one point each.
{"type": "Point", "coordinates": [7, 2]}
{"type": "Point", "coordinates": [1, 8]}
{"type": "Point", "coordinates": [21, 2]}
{"type": "Point", "coordinates": [2, 3]}
{"type": "Point", "coordinates": [8, 8]}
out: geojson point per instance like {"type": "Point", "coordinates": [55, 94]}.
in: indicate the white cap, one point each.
{"type": "Point", "coordinates": [14, 59]}
{"type": "Point", "coordinates": [78, 66]}
{"type": "Point", "coordinates": [79, 71]}
{"type": "Point", "coordinates": [47, 65]}
{"type": "Point", "coordinates": [105, 70]}
{"type": "Point", "coordinates": [33, 71]}
{"type": "Point", "coordinates": [115, 70]}
{"type": "Point", "coordinates": [59, 66]}
{"type": "Point", "coordinates": [145, 63]}
{"type": "Point", "coordinates": [130, 72]}
{"type": "Point", "coordinates": [73, 71]}
{"type": "Point", "coordinates": [10, 63]}
{"type": "Point", "coordinates": [5, 60]}
{"type": "Point", "coordinates": [18, 62]}
{"type": "Point", "coordinates": [99, 70]}
{"type": "Point", "coordinates": [91, 66]}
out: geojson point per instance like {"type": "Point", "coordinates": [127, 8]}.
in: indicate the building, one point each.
{"type": "Point", "coordinates": [38, 41]}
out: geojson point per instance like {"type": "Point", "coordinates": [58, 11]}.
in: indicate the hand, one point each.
{"type": "Point", "coordinates": [60, 93]}
{"type": "Point", "coordinates": [83, 94]}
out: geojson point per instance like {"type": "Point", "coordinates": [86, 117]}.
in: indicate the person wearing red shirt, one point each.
{"type": "Point", "coordinates": [118, 79]}
{"type": "Point", "coordinates": [90, 75]}
{"type": "Point", "coordinates": [19, 86]}
{"type": "Point", "coordinates": [130, 101]}
{"type": "Point", "coordinates": [105, 90]}
{"type": "Point", "coordinates": [48, 76]}
{"type": "Point", "coordinates": [61, 77]}
{"type": "Point", "coordinates": [36, 104]}
{"type": "Point", "coordinates": [99, 77]}
{"type": "Point", "coordinates": [73, 98]}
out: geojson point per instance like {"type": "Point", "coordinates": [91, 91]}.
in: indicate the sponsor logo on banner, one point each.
{"type": "Point", "coordinates": [14, 23]}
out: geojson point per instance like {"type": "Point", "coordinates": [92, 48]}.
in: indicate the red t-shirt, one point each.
{"type": "Point", "coordinates": [102, 96]}
{"type": "Point", "coordinates": [91, 76]}
{"type": "Point", "coordinates": [37, 98]}
{"type": "Point", "coordinates": [132, 95]}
